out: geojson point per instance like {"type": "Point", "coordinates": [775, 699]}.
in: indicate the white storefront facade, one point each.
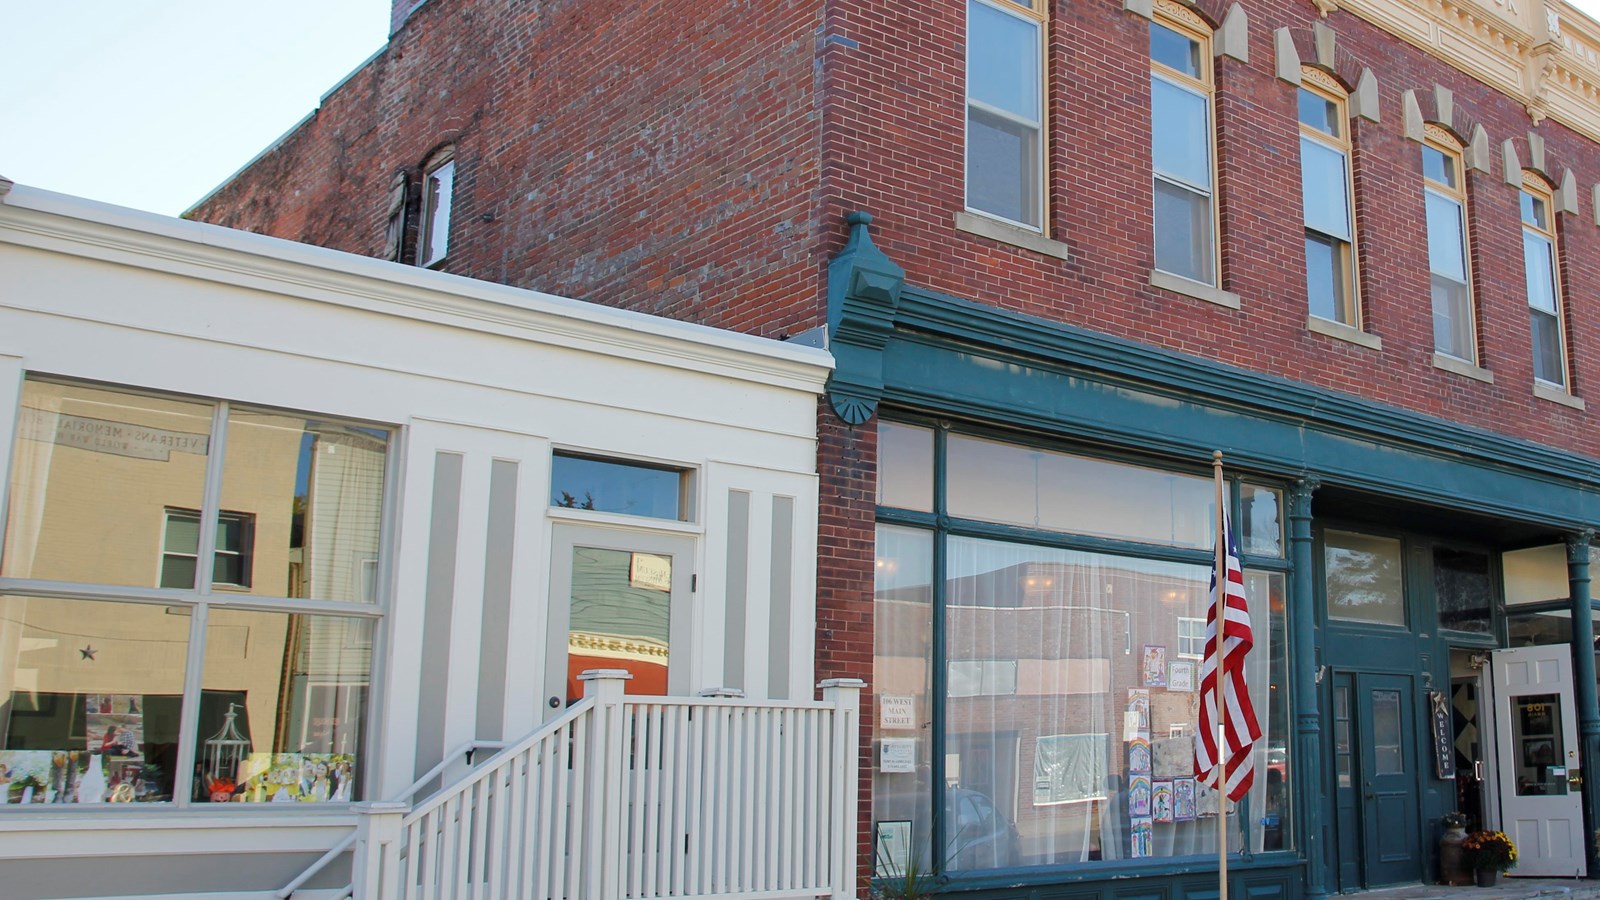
{"type": "Point", "coordinates": [432, 502]}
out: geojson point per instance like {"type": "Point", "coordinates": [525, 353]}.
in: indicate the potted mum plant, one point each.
{"type": "Point", "coordinates": [1489, 853]}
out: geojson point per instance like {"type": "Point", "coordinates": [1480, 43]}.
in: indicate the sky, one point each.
{"type": "Point", "coordinates": [153, 104]}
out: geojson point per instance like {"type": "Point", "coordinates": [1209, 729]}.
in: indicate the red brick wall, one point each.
{"type": "Point", "coordinates": [661, 156]}
{"type": "Point", "coordinates": [895, 148]}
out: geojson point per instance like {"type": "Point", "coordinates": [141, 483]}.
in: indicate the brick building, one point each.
{"type": "Point", "coordinates": [1352, 244]}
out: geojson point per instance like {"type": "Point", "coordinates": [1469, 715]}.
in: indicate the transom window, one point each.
{"type": "Point", "coordinates": [1445, 196]}
{"type": "Point", "coordinates": [619, 486]}
{"type": "Point", "coordinates": [1182, 141]}
{"type": "Point", "coordinates": [1326, 189]}
{"type": "Point", "coordinates": [1544, 284]}
{"type": "Point", "coordinates": [131, 680]}
{"type": "Point", "coordinates": [1005, 110]}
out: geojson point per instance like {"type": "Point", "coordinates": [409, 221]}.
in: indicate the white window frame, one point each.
{"type": "Point", "coordinates": [1025, 12]}
{"type": "Point", "coordinates": [438, 195]}
{"type": "Point", "coordinates": [1533, 186]}
{"type": "Point", "coordinates": [1443, 142]}
{"type": "Point", "coordinates": [1320, 84]}
{"type": "Point", "coordinates": [1184, 22]}
{"type": "Point", "coordinates": [1191, 633]}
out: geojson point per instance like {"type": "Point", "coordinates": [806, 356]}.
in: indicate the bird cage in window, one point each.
{"type": "Point", "coordinates": [225, 751]}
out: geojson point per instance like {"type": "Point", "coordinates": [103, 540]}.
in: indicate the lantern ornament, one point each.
{"type": "Point", "coordinates": [225, 751]}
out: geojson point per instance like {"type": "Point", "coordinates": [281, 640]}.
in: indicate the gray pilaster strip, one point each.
{"type": "Point", "coordinates": [493, 651]}
{"type": "Point", "coordinates": [738, 595]}
{"type": "Point", "coordinates": [434, 667]}
{"type": "Point", "coordinates": [778, 634]}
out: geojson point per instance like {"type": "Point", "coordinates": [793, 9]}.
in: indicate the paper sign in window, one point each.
{"type": "Point", "coordinates": [651, 572]}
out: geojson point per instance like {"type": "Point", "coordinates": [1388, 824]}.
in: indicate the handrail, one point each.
{"type": "Point", "coordinates": [487, 768]}
{"type": "Point", "coordinates": [467, 749]}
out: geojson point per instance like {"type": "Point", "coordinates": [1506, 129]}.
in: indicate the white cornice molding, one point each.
{"type": "Point", "coordinates": [59, 223]}
{"type": "Point", "coordinates": [1544, 54]}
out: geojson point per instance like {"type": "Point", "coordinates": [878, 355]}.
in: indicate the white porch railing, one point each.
{"type": "Point", "coordinates": [639, 798]}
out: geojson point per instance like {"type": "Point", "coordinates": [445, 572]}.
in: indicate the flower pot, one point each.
{"type": "Point", "coordinates": [1488, 877]}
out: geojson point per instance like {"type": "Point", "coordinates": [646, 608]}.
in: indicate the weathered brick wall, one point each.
{"type": "Point", "coordinates": [661, 156]}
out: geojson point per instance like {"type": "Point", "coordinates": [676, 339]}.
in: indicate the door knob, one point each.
{"type": "Point", "coordinates": [555, 702]}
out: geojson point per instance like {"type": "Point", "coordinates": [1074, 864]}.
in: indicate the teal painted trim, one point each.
{"type": "Point", "coordinates": [1583, 683]}
{"type": "Point", "coordinates": [1303, 669]}
{"type": "Point", "coordinates": [1343, 440]}
{"type": "Point", "coordinates": [1087, 879]}
{"type": "Point", "coordinates": [938, 647]}
{"type": "Point", "coordinates": [863, 291]}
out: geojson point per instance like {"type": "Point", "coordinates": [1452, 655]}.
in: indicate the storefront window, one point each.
{"type": "Point", "coordinates": [1463, 589]}
{"type": "Point", "coordinates": [905, 466]}
{"type": "Point", "coordinates": [109, 508]}
{"type": "Point", "coordinates": [1064, 733]}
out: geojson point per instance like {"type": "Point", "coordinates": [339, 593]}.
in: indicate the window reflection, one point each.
{"type": "Point", "coordinates": [1363, 578]}
{"type": "Point", "coordinates": [614, 486]}
{"type": "Point", "coordinates": [93, 471]}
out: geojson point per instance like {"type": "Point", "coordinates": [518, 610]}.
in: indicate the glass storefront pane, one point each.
{"type": "Point", "coordinates": [93, 471]}
{"type": "Point", "coordinates": [1262, 517]}
{"type": "Point", "coordinates": [999, 482]}
{"type": "Point", "coordinates": [1364, 580]}
{"type": "Point", "coordinates": [1267, 673]}
{"type": "Point", "coordinates": [1089, 754]}
{"type": "Point", "coordinates": [1534, 629]}
{"type": "Point", "coordinates": [1463, 589]}
{"type": "Point", "coordinates": [902, 677]}
{"type": "Point", "coordinates": [302, 502]}
{"type": "Point", "coordinates": [283, 706]}
{"type": "Point", "coordinates": [905, 466]}
{"type": "Point", "coordinates": [1388, 733]}
{"type": "Point", "coordinates": [1536, 575]}
{"type": "Point", "coordinates": [94, 693]}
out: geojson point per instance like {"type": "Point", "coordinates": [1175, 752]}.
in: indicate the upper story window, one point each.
{"type": "Point", "coordinates": [1326, 189]}
{"type": "Point", "coordinates": [1005, 110]}
{"type": "Point", "coordinates": [132, 680]}
{"type": "Point", "coordinates": [1544, 285]}
{"type": "Point", "coordinates": [1181, 137]}
{"type": "Point", "coordinates": [1446, 199]}
{"type": "Point", "coordinates": [438, 186]}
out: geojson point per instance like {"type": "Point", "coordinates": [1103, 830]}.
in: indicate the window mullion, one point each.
{"type": "Point", "coordinates": [211, 502]}
{"type": "Point", "coordinates": [189, 721]}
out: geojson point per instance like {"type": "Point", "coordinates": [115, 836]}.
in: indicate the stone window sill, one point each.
{"type": "Point", "coordinates": [1556, 395]}
{"type": "Point", "coordinates": [1342, 332]}
{"type": "Point", "coordinates": [1462, 367]}
{"type": "Point", "coordinates": [1189, 288]}
{"type": "Point", "coordinates": [995, 230]}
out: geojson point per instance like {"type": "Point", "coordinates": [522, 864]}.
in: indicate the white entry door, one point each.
{"type": "Point", "coordinates": [619, 599]}
{"type": "Point", "coordinates": [1536, 735]}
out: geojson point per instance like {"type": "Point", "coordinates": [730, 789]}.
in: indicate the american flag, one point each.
{"type": "Point", "coordinates": [1242, 729]}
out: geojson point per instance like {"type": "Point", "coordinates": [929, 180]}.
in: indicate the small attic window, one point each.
{"type": "Point", "coordinates": [438, 184]}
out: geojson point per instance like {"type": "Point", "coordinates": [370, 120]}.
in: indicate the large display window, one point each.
{"type": "Point", "coordinates": [1039, 686]}
{"type": "Point", "coordinates": [135, 668]}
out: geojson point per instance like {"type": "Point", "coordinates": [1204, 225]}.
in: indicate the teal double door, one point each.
{"type": "Point", "coordinates": [1375, 760]}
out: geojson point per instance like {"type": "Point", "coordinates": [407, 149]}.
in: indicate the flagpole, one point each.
{"type": "Point", "coordinates": [1220, 608]}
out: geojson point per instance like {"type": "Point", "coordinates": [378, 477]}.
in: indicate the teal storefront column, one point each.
{"type": "Point", "coordinates": [1308, 720]}
{"type": "Point", "coordinates": [1584, 687]}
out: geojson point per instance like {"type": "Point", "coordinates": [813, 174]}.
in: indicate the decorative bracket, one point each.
{"type": "Point", "coordinates": [863, 296]}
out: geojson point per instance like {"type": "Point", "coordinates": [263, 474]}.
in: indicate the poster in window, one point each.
{"type": "Point", "coordinates": [1138, 796]}
{"type": "Point", "coordinates": [1183, 800]}
{"type": "Point", "coordinates": [1139, 757]}
{"type": "Point", "coordinates": [897, 755]}
{"type": "Point", "coordinates": [1161, 801]}
{"type": "Point", "coordinates": [1140, 839]}
{"type": "Point", "coordinates": [650, 572]}
{"type": "Point", "coordinates": [1069, 768]}
{"type": "Point", "coordinates": [1155, 665]}
{"type": "Point", "coordinates": [894, 848]}
{"type": "Point", "coordinates": [1180, 676]}
{"type": "Point", "coordinates": [1136, 720]}
{"type": "Point", "coordinates": [897, 712]}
